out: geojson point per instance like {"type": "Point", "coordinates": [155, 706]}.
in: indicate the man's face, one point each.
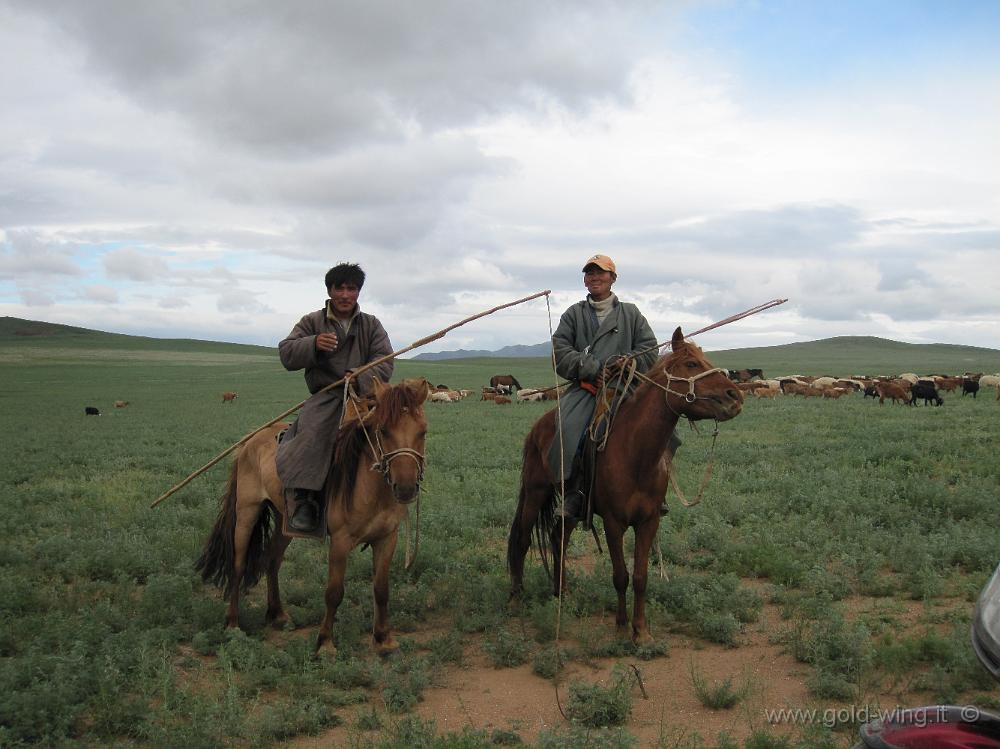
{"type": "Point", "coordinates": [598, 282]}
{"type": "Point", "coordinates": [344, 298]}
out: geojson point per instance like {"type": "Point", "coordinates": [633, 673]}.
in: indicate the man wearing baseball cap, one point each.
{"type": "Point", "coordinates": [592, 333]}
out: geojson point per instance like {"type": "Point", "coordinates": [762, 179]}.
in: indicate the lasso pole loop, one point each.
{"type": "Point", "coordinates": [720, 323]}
{"type": "Point", "coordinates": [338, 383]}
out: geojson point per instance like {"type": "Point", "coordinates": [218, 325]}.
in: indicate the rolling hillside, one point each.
{"type": "Point", "coordinates": [840, 356]}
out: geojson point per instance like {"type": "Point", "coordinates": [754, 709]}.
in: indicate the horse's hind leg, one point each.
{"type": "Point", "coordinates": [382, 551]}
{"type": "Point", "coordinates": [246, 519]}
{"type": "Point", "coordinates": [276, 615]}
{"type": "Point", "coordinates": [560, 542]}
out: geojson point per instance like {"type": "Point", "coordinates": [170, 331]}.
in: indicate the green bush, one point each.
{"type": "Point", "coordinates": [594, 706]}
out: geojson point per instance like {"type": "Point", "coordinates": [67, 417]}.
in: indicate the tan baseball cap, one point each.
{"type": "Point", "coordinates": [601, 261]}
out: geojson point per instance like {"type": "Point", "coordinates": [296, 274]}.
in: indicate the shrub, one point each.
{"type": "Point", "coordinates": [507, 650]}
{"type": "Point", "coordinates": [595, 706]}
{"type": "Point", "coordinates": [719, 696]}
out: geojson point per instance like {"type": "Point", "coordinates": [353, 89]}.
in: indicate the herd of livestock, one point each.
{"type": "Point", "coordinates": [908, 388]}
{"type": "Point", "coordinates": [905, 388]}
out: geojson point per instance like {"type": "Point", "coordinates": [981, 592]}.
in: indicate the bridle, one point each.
{"type": "Point", "coordinates": [691, 395]}
{"type": "Point", "coordinates": [384, 458]}
{"type": "Point", "coordinates": [383, 461]}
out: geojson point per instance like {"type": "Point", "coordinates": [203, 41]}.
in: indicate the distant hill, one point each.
{"type": "Point", "coordinates": [507, 352]}
{"type": "Point", "coordinates": [840, 355]}
{"type": "Point", "coordinates": [15, 327]}
{"type": "Point", "coordinates": [16, 332]}
{"type": "Point", "coordinates": [847, 355]}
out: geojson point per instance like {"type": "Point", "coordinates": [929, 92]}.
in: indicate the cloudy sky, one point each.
{"type": "Point", "coordinates": [191, 168]}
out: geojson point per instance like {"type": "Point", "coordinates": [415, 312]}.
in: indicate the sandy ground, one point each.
{"type": "Point", "coordinates": [514, 699]}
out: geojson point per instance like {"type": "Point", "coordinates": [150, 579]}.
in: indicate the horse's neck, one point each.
{"type": "Point", "coordinates": [644, 425]}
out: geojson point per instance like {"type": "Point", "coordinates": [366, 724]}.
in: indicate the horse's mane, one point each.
{"type": "Point", "coordinates": [388, 407]}
{"type": "Point", "coordinates": [686, 348]}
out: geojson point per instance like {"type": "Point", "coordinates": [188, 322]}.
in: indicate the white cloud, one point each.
{"type": "Point", "coordinates": [26, 253]}
{"type": "Point", "coordinates": [102, 294]}
{"type": "Point", "coordinates": [134, 265]}
{"type": "Point", "coordinates": [198, 169]}
{"type": "Point", "coordinates": [242, 301]}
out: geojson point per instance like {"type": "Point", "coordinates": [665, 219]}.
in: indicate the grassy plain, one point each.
{"type": "Point", "coordinates": [840, 516]}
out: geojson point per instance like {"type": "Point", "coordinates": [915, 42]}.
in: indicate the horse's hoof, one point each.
{"type": "Point", "coordinates": [325, 649]}
{"type": "Point", "coordinates": [386, 647]}
{"type": "Point", "coordinates": [642, 638]}
{"type": "Point", "coordinates": [280, 622]}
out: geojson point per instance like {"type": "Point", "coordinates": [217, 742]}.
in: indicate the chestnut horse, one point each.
{"type": "Point", "coordinates": [367, 496]}
{"type": "Point", "coordinates": [508, 381]}
{"type": "Point", "coordinates": [631, 473]}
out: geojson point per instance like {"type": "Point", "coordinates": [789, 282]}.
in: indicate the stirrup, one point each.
{"type": "Point", "coordinates": [572, 506]}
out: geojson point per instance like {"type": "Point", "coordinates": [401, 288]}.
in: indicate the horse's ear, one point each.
{"type": "Point", "coordinates": [677, 339]}
{"type": "Point", "coordinates": [378, 385]}
{"type": "Point", "coordinates": [420, 388]}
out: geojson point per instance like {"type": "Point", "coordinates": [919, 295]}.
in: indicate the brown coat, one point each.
{"type": "Point", "coordinates": [305, 452]}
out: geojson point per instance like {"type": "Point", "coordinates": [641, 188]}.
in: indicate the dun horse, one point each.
{"type": "Point", "coordinates": [631, 473]}
{"type": "Point", "coordinates": [377, 468]}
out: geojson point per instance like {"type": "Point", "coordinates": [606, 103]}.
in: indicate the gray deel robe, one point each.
{"type": "Point", "coordinates": [306, 450]}
{"type": "Point", "coordinates": [581, 347]}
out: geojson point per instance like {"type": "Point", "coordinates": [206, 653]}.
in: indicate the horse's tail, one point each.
{"type": "Point", "coordinates": [217, 562]}
{"type": "Point", "coordinates": [544, 520]}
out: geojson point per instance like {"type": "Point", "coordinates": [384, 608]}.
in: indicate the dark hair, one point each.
{"type": "Point", "coordinates": [350, 273]}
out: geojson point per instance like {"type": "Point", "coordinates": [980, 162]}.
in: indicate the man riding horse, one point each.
{"type": "Point", "coordinates": [594, 338]}
{"type": "Point", "coordinates": [328, 344]}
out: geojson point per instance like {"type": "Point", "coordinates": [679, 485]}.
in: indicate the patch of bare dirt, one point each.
{"type": "Point", "coordinates": [480, 696]}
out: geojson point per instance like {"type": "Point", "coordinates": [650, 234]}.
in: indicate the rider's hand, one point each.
{"type": "Point", "coordinates": [326, 342]}
{"type": "Point", "coordinates": [614, 364]}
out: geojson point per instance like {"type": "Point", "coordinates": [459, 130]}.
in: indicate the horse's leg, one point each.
{"type": "Point", "coordinates": [560, 542]}
{"type": "Point", "coordinates": [246, 519]}
{"type": "Point", "coordinates": [614, 533]}
{"type": "Point", "coordinates": [276, 615]}
{"type": "Point", "coordinates": [334, 592]}
{"type": "Point", "coordinates": [645, 534]}
{"type": "Point", "coordinates": [382, 551]}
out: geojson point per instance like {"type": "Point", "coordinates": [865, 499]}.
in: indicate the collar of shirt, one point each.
{"type": "Point", "coordinates": [344, 325]}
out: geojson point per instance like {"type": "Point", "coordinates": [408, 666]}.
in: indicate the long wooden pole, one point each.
{"type": "Point", "coordinates": [713, 326]}
{"type": "Point", "coordinates": [338, 383]}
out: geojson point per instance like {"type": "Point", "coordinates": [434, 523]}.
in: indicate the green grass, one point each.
{"type": "Point", "coordinates": [107, 637]}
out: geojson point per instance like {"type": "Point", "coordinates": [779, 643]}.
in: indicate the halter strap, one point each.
{"type": "Point", "coordinates": [691, 395]}
{"type": "Point", "coordinates": [384, 459]}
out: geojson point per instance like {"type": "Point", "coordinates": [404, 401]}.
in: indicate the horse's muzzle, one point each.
{"type": "Point", "coordinates": [727, 406]}
{"type": "Point", "coordinates": [405, 494]}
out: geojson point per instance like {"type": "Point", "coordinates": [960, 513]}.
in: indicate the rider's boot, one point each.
{"type": "Point", "coordinates": [305, 519]}
{"type": "Point", "coordinates": [573, 506]}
